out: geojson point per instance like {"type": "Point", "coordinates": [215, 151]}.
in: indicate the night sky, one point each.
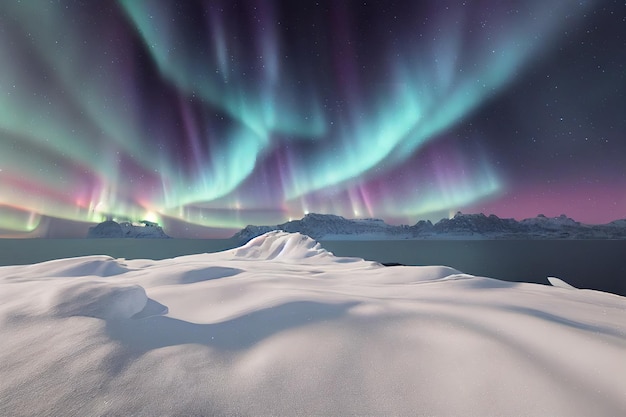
{"type": "Point", "coordinates": [211, 115]}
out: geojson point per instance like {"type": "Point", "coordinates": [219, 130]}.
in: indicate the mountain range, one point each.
{"type": "Point", "coordinates": [461, 226]}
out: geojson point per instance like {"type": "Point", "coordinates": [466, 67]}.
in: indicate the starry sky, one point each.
{"type": "Point", "coordinates": [206, 116]}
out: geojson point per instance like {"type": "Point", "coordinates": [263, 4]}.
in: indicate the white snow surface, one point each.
{"type": "Point", "coordinates": [282, 327]}
{"type": "Point", "coordinates": [557, 282]}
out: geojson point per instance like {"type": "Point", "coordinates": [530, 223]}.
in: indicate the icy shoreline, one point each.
{"type": "Point", "coordinates": [595, 264]}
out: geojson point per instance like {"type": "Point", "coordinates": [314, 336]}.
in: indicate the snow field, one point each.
{"type": "Point", "coordinates": [282, 327]}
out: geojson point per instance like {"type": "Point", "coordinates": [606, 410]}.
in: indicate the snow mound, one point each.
{"type": "Point", "coordinates": [557, 282]}
{"type": "Point", "coordinates": [193, 274]}
{"type": "Point", "coordinates": [279, 245]}
{"type": "Point", "coordinates": [407, 275]}
{"type": "Point", "coordinates": [98, 299]}
{"type": "Point", "coordinates": [96, 265]}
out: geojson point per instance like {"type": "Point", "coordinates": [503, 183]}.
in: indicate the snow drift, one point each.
{"type": "Point", "coordinates": [282, 327]}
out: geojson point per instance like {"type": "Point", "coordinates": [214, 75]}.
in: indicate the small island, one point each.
{"type": "Point", "coordinates": [111, 229]}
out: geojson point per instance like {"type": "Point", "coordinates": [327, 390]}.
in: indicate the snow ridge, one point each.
{"type": "Point", "coordinates": [280, 245]}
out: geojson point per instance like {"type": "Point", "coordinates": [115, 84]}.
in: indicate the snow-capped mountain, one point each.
{"type": "Point", "coordinates": [328, 226]}
{"type": "Point", "coordinates": [476, 224]}
{"type": "Point", "coordinates": [112, 229]}
{"type": "Point", "coordinates": [461, 226]}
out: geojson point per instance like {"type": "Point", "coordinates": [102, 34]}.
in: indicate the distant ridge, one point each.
{"type": "Point", "coordinates": [461, 226]}
{"type": "Point", "coordinates": [112, 229]}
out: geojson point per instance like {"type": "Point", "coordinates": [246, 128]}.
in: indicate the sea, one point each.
{"type": "Point", "coordinates": [589, 264]}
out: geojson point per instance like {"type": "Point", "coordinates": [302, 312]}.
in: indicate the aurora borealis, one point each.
{"type": "Point", "coordinates": [217, 114]}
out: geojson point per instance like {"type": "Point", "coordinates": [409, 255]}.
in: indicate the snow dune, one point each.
{"type": "Point", "coordinates": [282, 327]}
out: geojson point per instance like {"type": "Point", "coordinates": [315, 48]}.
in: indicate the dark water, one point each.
{"type": "Point", "coordinates": [594, 264]}
{"type": "Point", "coordinates": [27, 251]}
